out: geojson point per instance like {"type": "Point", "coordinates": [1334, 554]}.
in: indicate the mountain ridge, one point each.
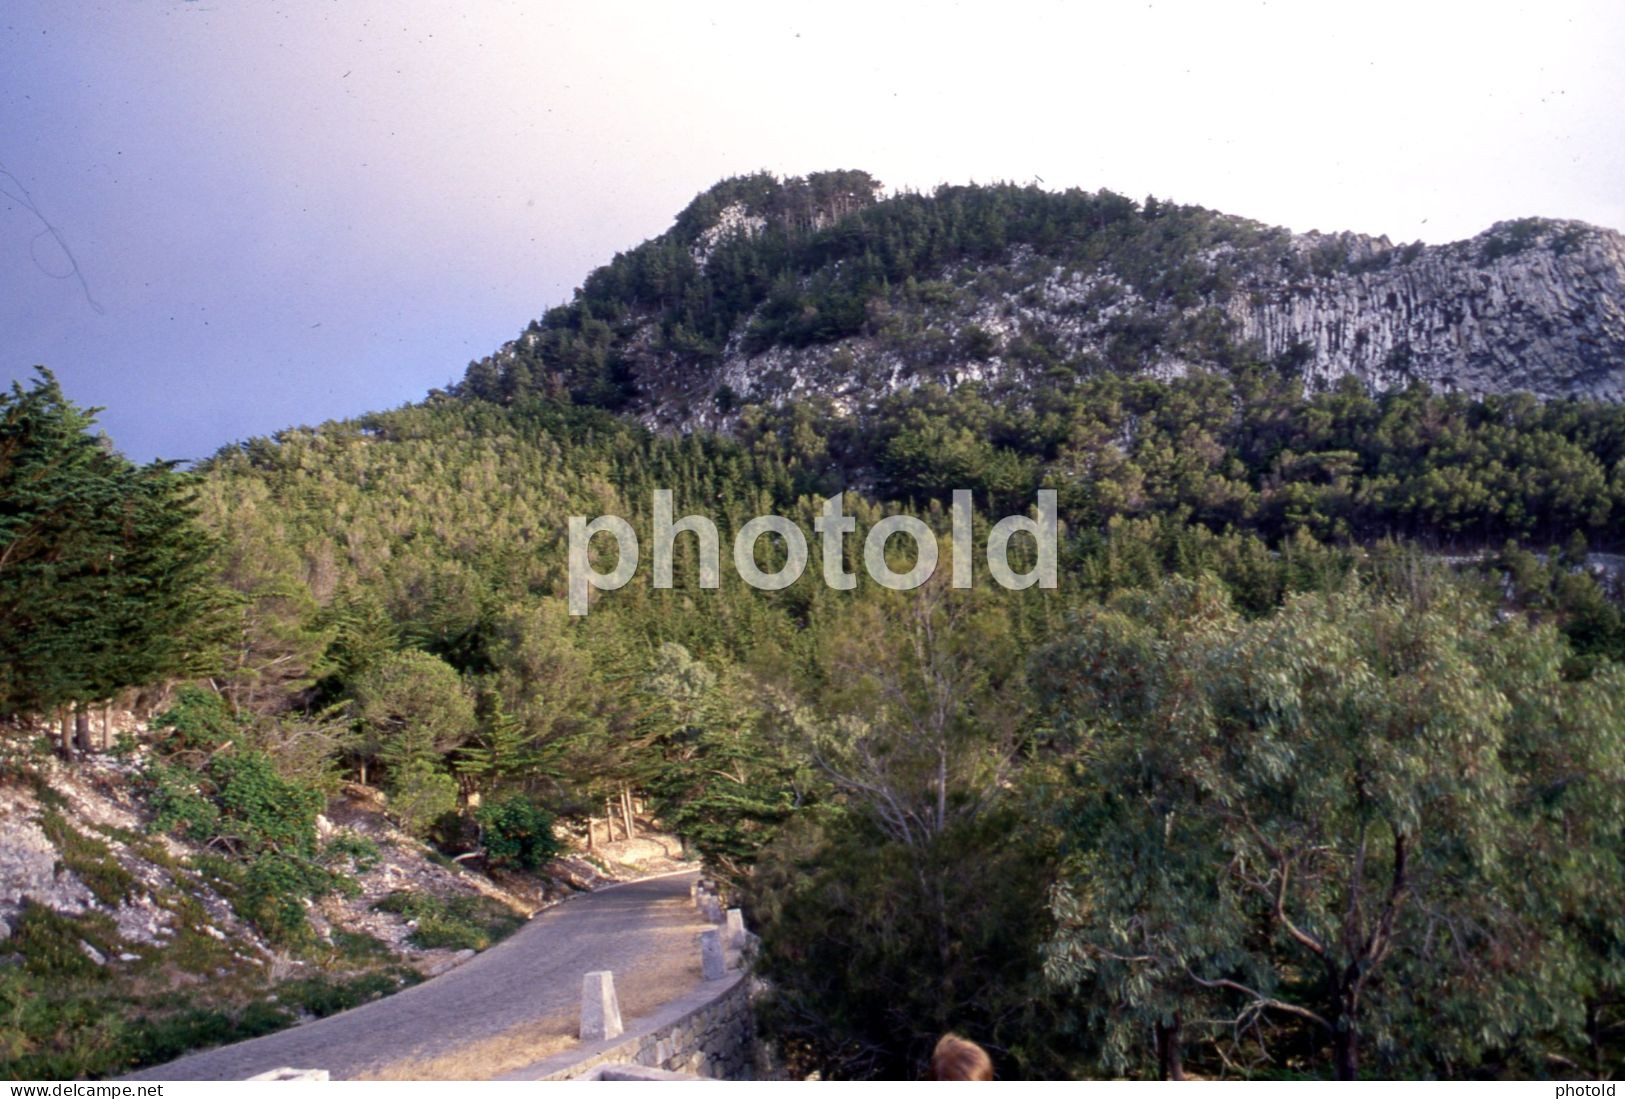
{"type": "Point", "coordinates": [766, 291]}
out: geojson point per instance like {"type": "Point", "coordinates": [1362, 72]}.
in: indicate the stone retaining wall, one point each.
{"type": "Point", "coordinates": [715, 1037]}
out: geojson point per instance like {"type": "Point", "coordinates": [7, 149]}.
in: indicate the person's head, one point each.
{"type": "Point", "coordinates": [958, 1059]}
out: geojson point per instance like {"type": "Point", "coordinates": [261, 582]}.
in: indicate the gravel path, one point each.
{"type": "Point", "coordinates": [509, 1006]}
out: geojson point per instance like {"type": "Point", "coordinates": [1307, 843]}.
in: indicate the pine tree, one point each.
{"type": "Point", "coordinates": [105, 580]}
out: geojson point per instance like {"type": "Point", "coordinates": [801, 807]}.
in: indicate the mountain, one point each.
{"type": "Point", "coordinates": [767, 290]}
{"type": "Point", "coordinates": [1295, 618]}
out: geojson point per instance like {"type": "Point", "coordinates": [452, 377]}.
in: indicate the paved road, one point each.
{"type": "Point", "coordinates": [645, 931]}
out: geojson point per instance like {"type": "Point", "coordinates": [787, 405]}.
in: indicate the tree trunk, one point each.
{"type": "Point", "coordinates": [626, 811]}
{"type": "Point", "coordinates": [81, 729]}
{"type": "Point", "coordinates": [934, 902]}
{"type": "Point", "coordinates": [1170, 1050]}
{"type": "Point", "coordinates": [942, 788]}
{"type": "Point", "coordinates": [1594, 1038]}
{"type": "Point", "coordinates": [1345, 1051]}
{"type": "Point", "coordinates": [65, 740]}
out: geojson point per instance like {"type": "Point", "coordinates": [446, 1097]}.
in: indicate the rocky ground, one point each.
{"type": "Point", "coordinates": [94, 802]}
{"type": "Point", "coordinates": [84, 873]}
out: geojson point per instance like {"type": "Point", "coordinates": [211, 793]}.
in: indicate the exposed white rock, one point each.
{"type": "Point", "coordinates": [733, 221]}
{"type": "Point", "coordinates": [141, 920]}
{"type": "Point", "coordinates": [28, 863]}
{"type": "Point", "coordinates": [1536, 306]}
{"type": "Point", "coordinates": [1549, 318]}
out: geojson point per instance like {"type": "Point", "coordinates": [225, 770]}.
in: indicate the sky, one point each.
{"type": "Point", "coordinates": [220, 218]}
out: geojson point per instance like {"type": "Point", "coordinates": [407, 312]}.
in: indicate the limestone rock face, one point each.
{"type": "Point", "coordinates": [734, 220]}
{"type": "Point", "coordinates": [1536, 306]}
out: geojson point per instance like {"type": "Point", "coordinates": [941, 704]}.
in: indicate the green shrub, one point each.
{"type": "Point", "coordinates": [17, 1002]}
{"type": "Point", "coordinates": [445, 930]}
{"type": "Point", "coordinates": [273, 895]}
{"type": "Point", "coordinates": [420, 795]}
{"type": "Point", "coordinates": [52, 944]}
{"type": "Point", "coordinates": [234, 793]}
{"type": "Point", "coordinates": [235, 798]}
{"type": "Point", "coordinates": [462, 923]}
{"type": "Point", "coordinates": [198, 721]}
{"type": "Point", "coordinates": [362, 852]}
{"type": "Point", "coordinates": [178, 804]}
{"type": "Point", "coordinates": [517, 833]}
{"type": "Point", "coordinates": [55, 1031]}
{"type": "Point", "coordinates": [358, 946]}
{"type": "Point", "coordinates": [321, 996]}
{"type": "Point", "coordinates": [156, 1039]}
{"type": "Point", "coordinates": [261, 807]}
{"type": "Point", "coordinates": [90, 860]}
{"type": "Point", "coordinates": [401, 903]}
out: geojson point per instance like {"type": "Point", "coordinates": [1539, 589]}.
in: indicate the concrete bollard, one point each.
{"type": "Point", "coordinates": [713, 962]}
{"type": "Point", "coordinates": [280, 1075]}
{"type": "Point", "coordinates": [600, 1011]}
{"type": "Point", "coordinates": [734, 929]}
{"type": "Point", "coordinates": [711, 909]}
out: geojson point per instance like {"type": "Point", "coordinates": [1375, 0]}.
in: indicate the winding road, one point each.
{"type": "Point", "coordinates": [510, 1006]}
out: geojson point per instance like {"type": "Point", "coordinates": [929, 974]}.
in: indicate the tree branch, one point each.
{"type": "Point", "coordinates": [1262, 1000]}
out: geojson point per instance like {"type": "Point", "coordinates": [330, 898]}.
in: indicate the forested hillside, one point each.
{"type": "Point", "coordinates": [902, 784]}
{"type": "Point", "coordinates": [1313, 764]}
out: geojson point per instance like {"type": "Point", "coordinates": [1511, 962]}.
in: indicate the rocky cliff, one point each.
{"type": "Point", "coordinates": [768, 291]}
{"type": "Point", "coordinates": [1529, 305]}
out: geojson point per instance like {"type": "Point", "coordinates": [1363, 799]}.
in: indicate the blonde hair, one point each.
{"type": "Point", "coordinates": [955, 1058]}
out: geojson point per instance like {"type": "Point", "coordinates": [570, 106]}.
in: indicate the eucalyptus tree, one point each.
{"type": "Point", "coordinates": [1360, 823]}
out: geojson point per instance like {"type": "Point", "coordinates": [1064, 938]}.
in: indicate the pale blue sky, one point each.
{"type": "Point", "coordinates": [285, 212]}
